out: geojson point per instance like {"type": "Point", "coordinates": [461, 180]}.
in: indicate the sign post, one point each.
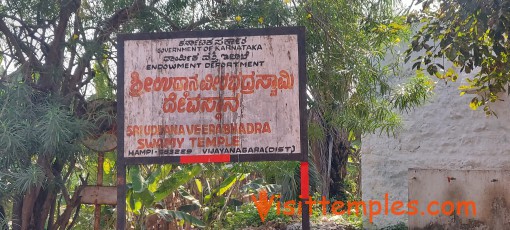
{"type": "Point", "coordinates": [210, 97]}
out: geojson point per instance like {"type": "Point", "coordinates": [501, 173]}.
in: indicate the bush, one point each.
{"type": "Point", "coordinates": [399, 226]}
{"type": "Point", "coordinates": [248, 216]}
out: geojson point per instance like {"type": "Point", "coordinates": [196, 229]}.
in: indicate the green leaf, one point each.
{"type": "Point", "coordinates": [474, 104]}
{"type": "Point", "coordinates": [189, 197]}
{"type": "Point", "coordinates": [136, 178]}
{"type": "Point", "coordinates": [451, 74]}
{"type": "Point", "coordinates": [130, 200]}
{"type": "Point", "coordinates": [170, 215]}
{"type": "Point", "coordinates": [235, 202]}
{"type": "Point", "coordinates": [396, 26]}
{"type": "Point", "coordinates": [152, 181]}
{"type": "Point", "coordinates": [157, 176]}
{"type": "Point", "coordinates": [467, 69]}
{"type": "Point", "coordinates": [432, 69]}
{"type": "Point", "coordinates": [227, 184]}
{"type": "Point", "coordinates": [137, 207]}
{"type": "Point", "coordinates": [145, 197]}
{"type": "Point", "coordinates": [107, 165]}
{"type": "Point", "coordinates": [175, 180]}
{"type": "Point", "coordinates": [165, 170]}
{"type": "Point", "coordinates": [189, 208]}
{"type": "Point", "coordinates": [253, 185]}
{"type": "Point", "coordinates": [465, 87]}
{"type": "Point", "coordinates": [207, 198]}
{"type": "Point", "coordinates": [199, 185]}
{"type": "Point", "coordinates": [352, 136]}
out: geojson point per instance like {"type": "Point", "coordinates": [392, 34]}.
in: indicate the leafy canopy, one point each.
{"type": "Point", "coordinates": [471, 34]}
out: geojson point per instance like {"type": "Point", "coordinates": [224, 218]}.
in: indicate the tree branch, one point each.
{"type": "Point", "coordinates": [119, 18]}
{"type": "Point", "coordinates": [13, 41]}
{"type": "Point", "coordinates": [74, 202]}
{"type": "Point", "coordinates": [75, 218]}
{"type": "Point", "coordinates": [172, 24]}
{"type": "Point", "coordinates": [198, 23]}
{"type": "Point", "coordinates": [76, 31]}
{"type": "Point", "coordinates": [103, 33]}
{"type": "Point", "coordinates": [60, 32]}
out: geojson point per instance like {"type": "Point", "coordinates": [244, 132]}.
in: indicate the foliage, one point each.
{"type": "Point", "coordinates": [199, 195]}
{"type": "Point", "coordinates": [38, 134]}
{"type": "Point", "coordinates": [60, 57]}
{"type": "Point", "coordinates": [287, 176]}
{"type": "Point", "coordinates": [353, 179]}
{"type": "Point", "coordinates": [248, 216]}
{"type": "Point", "coordinates": [86, 217]}
{"type": "Point", "coordinates": [349, 84]}
{"type": "Point", "coordinates": [217, 190]}
{"type": "Point", "coordinates": [144, 193]}
{"type": "Point", "coordinates": [399, 226]}
{"type": "Point", "coordinates": [471, 34]}
{"type": "Point", "coordinates": [354, 220]}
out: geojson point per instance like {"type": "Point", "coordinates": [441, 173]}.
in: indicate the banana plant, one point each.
{"type": "Point", "coordinates": [212, 193]}
{"type": "Point", "coordinates": [145, 194]}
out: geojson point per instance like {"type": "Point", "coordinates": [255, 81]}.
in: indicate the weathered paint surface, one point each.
{"type": "Point", "coordinates": [104, 143]}
{"type": "Point", "coordinates": [218, 95]}
{"type": "Point", "coordinates": [99, 195]}
{"type": "Point", "coordinates": [485, 191]}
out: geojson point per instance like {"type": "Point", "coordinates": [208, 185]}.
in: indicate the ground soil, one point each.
{"type": "Point", "coordinates": [322, 225]}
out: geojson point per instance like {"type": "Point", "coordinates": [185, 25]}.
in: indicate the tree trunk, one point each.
{"type": "Point", "coordinates": [17, 207]}
{"type": "Point", "coordinates": [319, 148]}
{"type": "Point", "coordinates": [48, 196]}
{"type": "Point", "coordinates": [3, 224]}
{"type": "Point", "coordinates": [43, 205]}
{"type": "Point", "coordinates": [28, 207]}
{"type": "Point", "coordinates": [330, 156]}
{"type": "Point", "coordinates": [339, 166]}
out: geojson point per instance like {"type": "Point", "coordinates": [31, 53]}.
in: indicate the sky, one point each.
{"type": "Point", "coordinates": [406, 3]}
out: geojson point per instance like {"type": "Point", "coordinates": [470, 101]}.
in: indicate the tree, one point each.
{"type": "Point", "coordinates": [53, 53]}
{"type": "Point", "coordinates": [473, 35]}
{"type": "Point", "coordinates": [349, 85]}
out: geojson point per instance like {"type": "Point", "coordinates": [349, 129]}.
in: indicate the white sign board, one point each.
{"type": "Point", "coordinates": [229, 94]}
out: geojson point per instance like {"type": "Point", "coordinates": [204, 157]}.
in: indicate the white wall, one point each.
{"type": "Point", "coordinates": [443, 134]}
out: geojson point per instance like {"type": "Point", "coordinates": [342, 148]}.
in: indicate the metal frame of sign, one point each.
{"type": "Point", "coordinates": [122, 161]}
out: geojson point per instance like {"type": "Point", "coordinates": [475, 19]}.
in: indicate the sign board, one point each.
{"type": "Point", "coordinates": [236, 94]}
{"type": "Point", "coordinates": [99, 195]}
{"type": "Point", "coordinates": [211, 96]}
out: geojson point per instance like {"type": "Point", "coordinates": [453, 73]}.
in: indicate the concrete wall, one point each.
{"type": "Point", "coordinates": [443, 134]}
{"type": "Point", "coordinates": [468, 199]}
